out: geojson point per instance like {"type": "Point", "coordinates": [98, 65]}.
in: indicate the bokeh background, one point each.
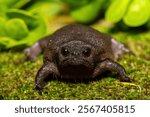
{"type": "Point", "coordinates": [23, 22]}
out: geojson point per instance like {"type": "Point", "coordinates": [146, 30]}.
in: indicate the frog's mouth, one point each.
{"type": "Point", "coordinates": [75, 63]}
{"type": "Point", "coordinates": [75, 70]}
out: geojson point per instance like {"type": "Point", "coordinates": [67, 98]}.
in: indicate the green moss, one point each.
{"type": "Point", "coordinates": [17, 81]}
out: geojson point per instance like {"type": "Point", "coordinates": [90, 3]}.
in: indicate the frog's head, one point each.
{"type": "Point", "coordinates": [75, 58]}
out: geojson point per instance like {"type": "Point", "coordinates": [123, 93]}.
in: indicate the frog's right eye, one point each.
{"type": "Point", "coordinates": [86, 52]}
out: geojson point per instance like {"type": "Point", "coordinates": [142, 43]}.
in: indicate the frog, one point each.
{"type": "Point", "coordinates": [77, 51]}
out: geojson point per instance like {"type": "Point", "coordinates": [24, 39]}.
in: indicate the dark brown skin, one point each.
{"type": "Point", "coordinates": [77, 52]}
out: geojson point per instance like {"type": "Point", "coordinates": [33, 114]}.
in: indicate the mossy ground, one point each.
{"type": "Point", "coordinates": [17, 81]}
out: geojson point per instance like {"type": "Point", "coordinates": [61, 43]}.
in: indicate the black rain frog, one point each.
{"type": "Point", "coordinates": [77, 52]}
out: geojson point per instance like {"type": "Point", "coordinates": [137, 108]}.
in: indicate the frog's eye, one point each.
{"type": "Point", "coordinates": [86, 52]}
{"type": "Point", "coordinates": [65, 52]}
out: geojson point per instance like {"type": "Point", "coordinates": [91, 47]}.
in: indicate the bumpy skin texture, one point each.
{"type": "Point", "coordinates": [77, 52]}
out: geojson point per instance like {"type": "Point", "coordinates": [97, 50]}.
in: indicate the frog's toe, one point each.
{"type": "Point", "coordinates": [125, 79]}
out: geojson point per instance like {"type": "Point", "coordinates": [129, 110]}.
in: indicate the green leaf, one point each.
{"type": "Point", "coordinates": [5, 42]}
{"type": "Point", "coordinates": [14, 3]}
{"type": "Point", "coordinates": [138, 13]}
{"type": "Point", "coordinates": [16, 28]}
{"type": "Point", "coordinates": [148, 24]}
{"type": "Point", "coordinates": [87, 13]}
{"type": "Point", "coordinates": [34, 35]}
{"type": "Point", "coordinates": [40, 31]}
{"type": "Point", "coordinates": [20, 3]}
{"type": "Point", "coordinates": [28, 17]}
{"type": "Point", "coordinates": [2, 25]}
{"type": "Point", "coordinates": [76, 3]}
{"type": "Point", "coordinates": [116, 10]}
{"type": "Point", "coordinates": [45, 8]}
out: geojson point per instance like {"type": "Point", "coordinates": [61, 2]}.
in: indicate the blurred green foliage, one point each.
{"type": "Point", "coordinates": [74, 4]}
{"type": "Point", "coordinates": [26, 21]}
{"type": "Point", "coordinates": [88, 12]}
{"type": "Point", "coordinates": [134, 13]}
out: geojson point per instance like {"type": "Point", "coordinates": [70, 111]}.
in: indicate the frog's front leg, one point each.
{"type": "Point", "coordinates": [110, 65]}
{"type": "Point", "coordinates": [45, 71]}
{"type": "Point", "coordinates": [119, 49]}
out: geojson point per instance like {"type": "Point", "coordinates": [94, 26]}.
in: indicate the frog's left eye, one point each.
{"type": "Point", "coordinates": [86, 52]}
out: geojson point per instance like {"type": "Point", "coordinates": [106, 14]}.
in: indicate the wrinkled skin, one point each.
{"type": "Point", "coordinates": [77, 52]}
